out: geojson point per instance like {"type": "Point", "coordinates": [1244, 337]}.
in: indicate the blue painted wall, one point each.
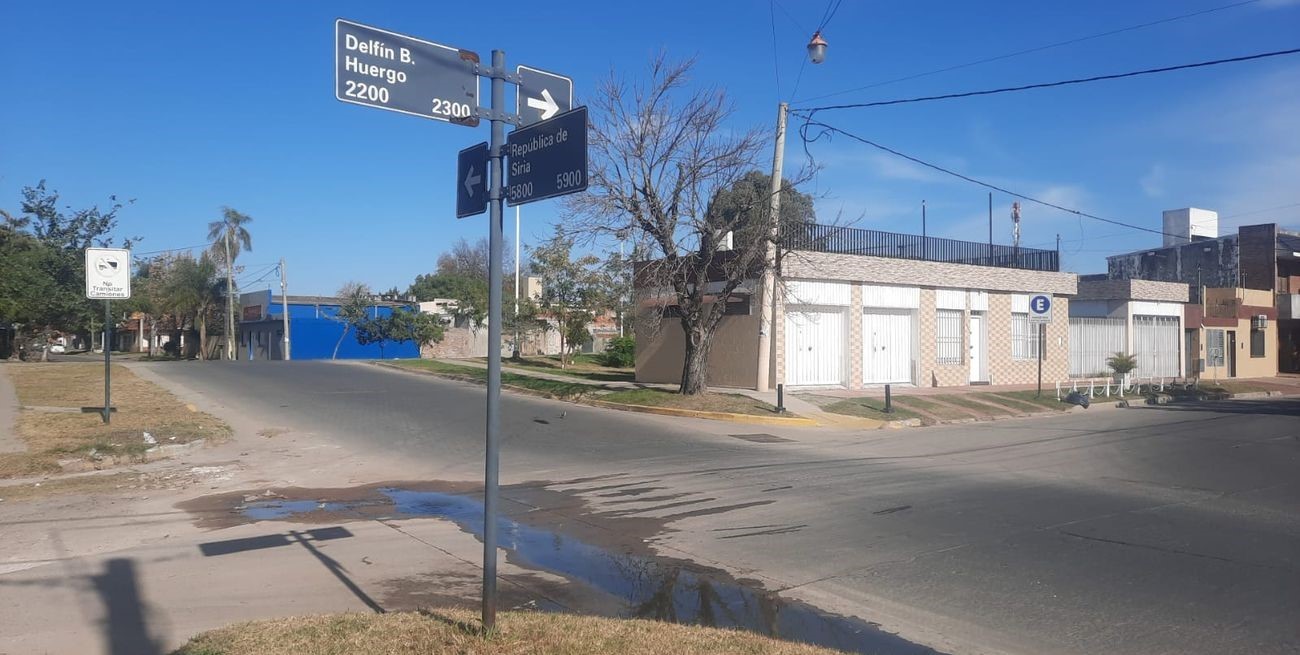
{"type": "Point", "coordinates": [313, 334]}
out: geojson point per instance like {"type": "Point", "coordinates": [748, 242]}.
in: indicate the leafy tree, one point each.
{"type": "Point", "coordinates": [355, 300]}
{"type": "Point", "coordinates": [570, 287]}
{"type": "Point", "coordinates": [401, 326]}
{"type": "Point", "coordinates": [193, 290]}
{"type": "Point", "coordinates": [525, 325]}
{"type": "Point", "coordinates": [42, 269]}
{"type": "Point", "coordinates": [470, 294]}
{"type": "Point", "coordinates": [744, 207]}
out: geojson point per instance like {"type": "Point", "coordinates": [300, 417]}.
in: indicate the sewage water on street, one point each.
{"type": "Point", "coordinates": [650, 587]}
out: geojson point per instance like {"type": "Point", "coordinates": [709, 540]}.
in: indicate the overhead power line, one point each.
{"type": "Point", "coordinates": [156, 252]}
{"type": "Point", "coordinates": [809, 111]}
{"type": "Point", "coordinates": [1041, 48]}
{"type": "Point", "coordinates": [809, 123]}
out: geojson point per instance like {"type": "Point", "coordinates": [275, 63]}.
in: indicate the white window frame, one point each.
{"type": "Point", "coordinates": [950, 336]}
{"type": "Point", "coordinates": [1024, 337]}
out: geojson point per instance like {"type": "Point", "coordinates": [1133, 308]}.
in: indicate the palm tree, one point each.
{"type": "Point", "coordinates": [227, 236]}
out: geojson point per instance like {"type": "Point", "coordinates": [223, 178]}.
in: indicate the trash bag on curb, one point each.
{"type": "Point", "coordinates": [1076, 398]}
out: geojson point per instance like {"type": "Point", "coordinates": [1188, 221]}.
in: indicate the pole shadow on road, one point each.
{"type": "Point", "coordinates": [307, 539]}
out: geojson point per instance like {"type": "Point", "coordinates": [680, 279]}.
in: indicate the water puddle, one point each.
{"type": "Point", "coordinates": [651, 587]}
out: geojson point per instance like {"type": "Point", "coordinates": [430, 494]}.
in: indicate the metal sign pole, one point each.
{"type": "Point", "coordinates": [1042, 329]}
{"type": "Point", "coordinates": [495, 155]}
{"type": "Point", "coordinates": [108, 340]}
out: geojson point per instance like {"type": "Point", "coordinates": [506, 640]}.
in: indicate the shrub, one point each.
{"type": "Point", "coordinates": [1122, 364]}
{"type": "Point", "coordinates": [620, 352]}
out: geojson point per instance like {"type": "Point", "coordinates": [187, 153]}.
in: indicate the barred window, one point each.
{"type": "Point", "coordinates": [1214, 348]}
{"type": "Point", "coordinates": [1024, 337]}
{"type": "Point", "coordinates": [950, 336]}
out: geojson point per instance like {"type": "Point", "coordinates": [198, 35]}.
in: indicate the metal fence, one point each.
{"type": "Point", "coordinates": [1092, 340]}
{"type": "Point", "coordinates": [855, 241]}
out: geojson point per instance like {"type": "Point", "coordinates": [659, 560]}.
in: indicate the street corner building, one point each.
{"type": "Point", "coordinates": [856, 308]}
{"type": "Point", "coordinates": [315, 329]}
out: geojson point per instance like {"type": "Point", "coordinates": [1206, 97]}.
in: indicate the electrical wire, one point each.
{"type": "Point", "coordinates": [831, 7]}
{"type": "Point", "coordinates": [156, 252]}
{"type": "Point", "coordinates": [808, 111]}
{"type": "Point", "coordinates": [776, 60]}
{"type": "Point", "coordinates": [809, 123]}
{"type": "Point", "coordinates": [1031, 50]}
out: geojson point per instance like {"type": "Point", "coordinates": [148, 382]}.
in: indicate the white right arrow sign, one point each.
{"type": "Point", "coordinates": [546, 104]}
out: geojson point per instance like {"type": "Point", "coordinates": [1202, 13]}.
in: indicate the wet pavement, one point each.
{"type": "Point", "coordinates": [645, 585]}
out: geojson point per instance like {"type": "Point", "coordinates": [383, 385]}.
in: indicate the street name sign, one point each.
{"type": "Point", "coordinates": [542, 95]}
{"type": "Point", "coordinates": [1040, 308]}
{"type": "Point", "coordinates": [471, 181]}
{"type": "Point", "coordinates": [547, 159]}
{"type": "Point", "coordinates": [108, 273]}
{"type": "Point", "coordinates": [387, 70]}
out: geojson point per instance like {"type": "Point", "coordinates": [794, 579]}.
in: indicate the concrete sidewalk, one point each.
{"type": "Point", "coordinates": [9, 441]}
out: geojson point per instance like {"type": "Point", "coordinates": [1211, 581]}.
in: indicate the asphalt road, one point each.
{"type": "Point", "coordinates": [1146, 530]}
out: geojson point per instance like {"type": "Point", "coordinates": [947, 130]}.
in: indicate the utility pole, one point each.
{"type": "Point", "coordinates": [766, 327]}
{"type": "Point", "coordinates": [230, 302]}
{"type": "Point", "coordinates": [284, 309]}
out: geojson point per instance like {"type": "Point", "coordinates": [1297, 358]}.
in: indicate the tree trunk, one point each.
{"type": "Point", "coordinates": [153, 336]}
{"type": "Point", "coordinates": [697, 357]}
{"type": "Point", "coordinates": [203, 339]}
{"type": "Point", "coordinates": [340, 341]}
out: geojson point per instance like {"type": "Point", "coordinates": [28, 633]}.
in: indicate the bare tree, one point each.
{"type": "Point", "coordinates": [661, 152]}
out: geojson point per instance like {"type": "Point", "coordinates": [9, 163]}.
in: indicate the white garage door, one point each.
{"type": "Point", "coordinates": [886, 346]}
{"type": "Point", "coordinates": [814, 346]}
{"type": "Point", "coordinates": [1155, 342]}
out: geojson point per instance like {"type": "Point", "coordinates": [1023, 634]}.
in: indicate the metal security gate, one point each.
{"type": "Point", "coordinates": [814, 346]}
{"type": "Point", "coordinates": [886, 346]}
{"type": "Point", "coordinates": [1155, 342]}
{"type": "Point", "coordinates": [1092, 340]}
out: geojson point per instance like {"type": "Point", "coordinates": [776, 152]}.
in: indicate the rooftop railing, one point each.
{"type": "Point", "coordinates": [874, 243]}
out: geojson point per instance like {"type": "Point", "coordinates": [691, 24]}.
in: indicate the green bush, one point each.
{"type": "Point", "coordinates": [621, 352]}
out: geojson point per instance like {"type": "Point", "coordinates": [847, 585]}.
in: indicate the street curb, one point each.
{"type": "Point", "coordinates": [717, 416]}
{"type": "Point", "coordinates": [644, 409]}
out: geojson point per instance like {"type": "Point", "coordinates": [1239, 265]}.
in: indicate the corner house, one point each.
{"type": "Point", "coordinates": [857, 308]}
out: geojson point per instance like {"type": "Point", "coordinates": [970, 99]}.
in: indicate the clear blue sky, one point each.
{"type": "Point", "coordinates": [190, 106]}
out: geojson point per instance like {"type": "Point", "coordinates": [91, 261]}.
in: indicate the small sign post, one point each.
{"type": "Point", "coordinates": [108, 277]}
{"type": "Point", "coordinates": [1040, 314]}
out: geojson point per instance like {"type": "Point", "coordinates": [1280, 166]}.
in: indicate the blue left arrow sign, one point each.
{"type": "Point", "coordinates": [472, 181]}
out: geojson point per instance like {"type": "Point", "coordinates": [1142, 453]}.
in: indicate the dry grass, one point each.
{"type": "Point", "coordinates": [456, 631]}
{"type": "Point", "coordinates": [142, 407]}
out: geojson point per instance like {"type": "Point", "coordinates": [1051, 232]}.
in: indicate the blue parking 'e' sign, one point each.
{"type": "Point", "coordinates": [1040, 307]}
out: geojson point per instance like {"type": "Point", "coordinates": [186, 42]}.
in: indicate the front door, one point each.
{"type": "Point", "coordinates": [977, 349]}
{"type": "Point", "coordinates": [1232, 353]}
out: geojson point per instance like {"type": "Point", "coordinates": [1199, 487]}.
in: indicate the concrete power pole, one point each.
{"type": "Point", "coordinates": [766, 327]}
{"type": "Point", "coordinates": [284, 309]}
{"type": "Point", "coordinates": [230, 301]}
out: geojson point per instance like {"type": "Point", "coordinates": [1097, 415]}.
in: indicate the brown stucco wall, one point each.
{"type": "Point", "coordinates": [733, 351]}
{"type": "Point", "coordinates": [1133, 290]}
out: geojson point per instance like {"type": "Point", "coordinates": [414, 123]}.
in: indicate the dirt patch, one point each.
{"type": "Point", "coordinates": [706, 402]}
{"type": "Point", "coordinates": [147, 417]}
